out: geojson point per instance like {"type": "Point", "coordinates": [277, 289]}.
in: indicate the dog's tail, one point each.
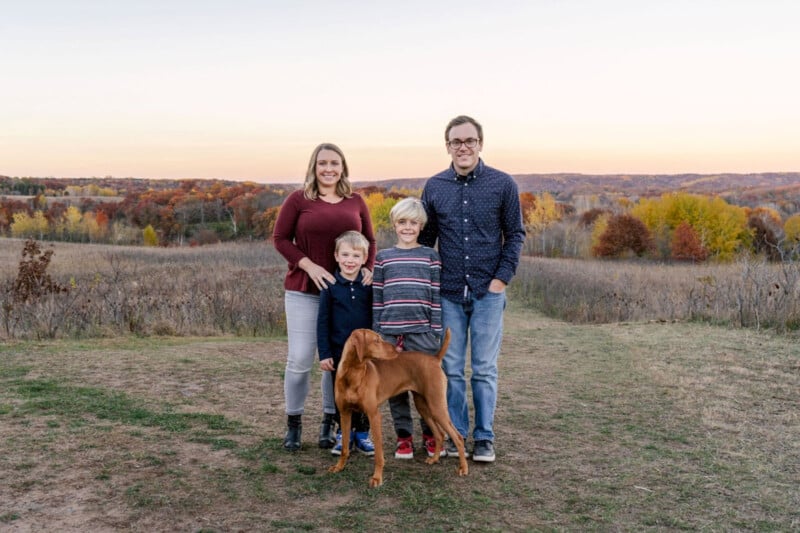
{"type": "Point", "coordinates": [445, 344]}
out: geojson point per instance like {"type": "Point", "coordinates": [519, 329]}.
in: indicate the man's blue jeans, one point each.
{"type": "Point", "coordinates": [478, 322]}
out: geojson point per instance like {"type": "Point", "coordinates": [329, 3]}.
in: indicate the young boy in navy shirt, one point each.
{"type": "Point", "coordinates": [343, 307]}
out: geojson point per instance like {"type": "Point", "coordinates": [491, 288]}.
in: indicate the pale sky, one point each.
{"type": "Point", "coordinates": [246, 89]}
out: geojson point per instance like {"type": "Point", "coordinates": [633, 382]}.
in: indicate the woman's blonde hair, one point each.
{"type": "Point", "coordinates": [355, 240]}
{"type": "Point", "coordinates": [311, 189]}
{"type": "Point", "coordinates": [409, 209]}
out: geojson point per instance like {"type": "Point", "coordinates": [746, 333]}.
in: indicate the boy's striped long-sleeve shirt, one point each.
{"type": "Point", "coordinates": [405, 291]}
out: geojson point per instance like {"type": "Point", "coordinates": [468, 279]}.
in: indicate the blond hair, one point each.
{"type": "Point", "coordinates": [311, 188]}
{"type": "Point", "coordinates": [355, 240]}
{"type": "Point", "coordinates": [409, 209]}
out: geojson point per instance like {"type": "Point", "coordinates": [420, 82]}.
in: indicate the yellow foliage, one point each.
{"type": "Point", "coordinates": [149, 236]}
{"type": "Point", "coordinates": [25, 225]}
{"type": "Point", "coordinates": [791, 228]}
{"type": "Point", "coordinates": [599, 227]}
{"type": "Point", "coordinates": [93, 228]}
{"type": "Point", "coordinates": [379, 207]}
{"type": "Point", "coordinates": [72, 221]}
{"type": "Point", "coordinates": [543, 213]}
{"type": "Point", "coordinates": [722, 227]}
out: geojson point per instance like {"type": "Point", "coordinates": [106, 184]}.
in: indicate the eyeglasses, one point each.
{"type": "Point", "coordinates": [455, 144]}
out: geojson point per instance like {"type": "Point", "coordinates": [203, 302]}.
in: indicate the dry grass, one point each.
{"type": "Point", "coordinates": [748, 293]}
{"type": "Point", "coordinates": [236, 288]}
{"type": "Point", "coordinates": [232, 288]}
{"type": "Point", "coordinates": [615, 427]}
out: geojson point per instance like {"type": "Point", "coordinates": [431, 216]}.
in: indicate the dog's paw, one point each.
{"type": "Point", "coordinates": [462, 470]}
{"type": "Point", "coordinates": [375, 481]}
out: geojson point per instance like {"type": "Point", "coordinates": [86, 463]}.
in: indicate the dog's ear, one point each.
{"type": "Point", "coordinates": [359, 340]}
{"type": "Point", "coordinates": [376, 347]}
{"type": "Point", "coordinates": [347, 350]}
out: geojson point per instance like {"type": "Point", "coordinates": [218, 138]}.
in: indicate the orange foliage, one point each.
{"type": "Point", "coordinates": [624, 234]}
{"type": "Point", "coordinates": [686, 244]}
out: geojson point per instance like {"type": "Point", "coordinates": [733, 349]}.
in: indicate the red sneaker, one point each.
{"type": "Point", "coordinates": [430, 446]}
{"type": "Point", "coordinates": [405, 448]}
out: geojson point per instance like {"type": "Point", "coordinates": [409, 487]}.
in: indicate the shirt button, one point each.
{"type": "Point", "coordinates": [467, 257]}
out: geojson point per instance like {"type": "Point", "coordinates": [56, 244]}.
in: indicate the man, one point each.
{"type": "Point", "coordinates": [474, 212]}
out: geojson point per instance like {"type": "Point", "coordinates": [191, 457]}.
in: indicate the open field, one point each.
{"type": "Point", "coordinates": [614, 427]}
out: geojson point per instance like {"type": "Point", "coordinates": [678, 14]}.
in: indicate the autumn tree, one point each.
{"type": "Point", "coordinates": [722, 227]}
{"type": "Point", "coordinates": [264, 222]}
{"type": "Point", "coordinates": [24, 225]}
{"type": "Point", "coordinates": [71, 220]}
{"type": "Point", "coordinates": [791, 229]}
{"type": "Point", "coordinates": [544, 212]}
{"type": "Point", "coordinates": [624, 234]}
{"type": "Point", "coordinates": [149, 236]}
{"type": "Point", "coordinates": [527, 201]}
{"type": "Point", "coordinates": [8, 207]}
{"type": "Point", "coordinates": [686, 244]}
{"type": "Point", "coordinates": [379, 207]}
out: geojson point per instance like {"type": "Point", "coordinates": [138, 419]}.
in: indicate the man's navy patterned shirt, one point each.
{"type": "Point", "coordinates": [478, 222]}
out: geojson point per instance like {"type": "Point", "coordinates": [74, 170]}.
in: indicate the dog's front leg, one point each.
{"type": "Point", "coordinates": [345, 417]}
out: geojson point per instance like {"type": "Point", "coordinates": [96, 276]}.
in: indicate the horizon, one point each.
{"type": "Point", "coordinates": [355, 180]}
{"type": "Point", "coordinates": [245, 91]}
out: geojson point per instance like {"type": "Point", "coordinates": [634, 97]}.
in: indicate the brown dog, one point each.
{"type": "Point", "coordinates": [371, 371]}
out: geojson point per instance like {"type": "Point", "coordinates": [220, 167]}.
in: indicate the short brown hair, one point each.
{"type": "Point", "coordinates": [459, 120]}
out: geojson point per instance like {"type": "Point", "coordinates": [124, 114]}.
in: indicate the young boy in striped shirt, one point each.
{"type": "Point", "coordinates": [406, 308]}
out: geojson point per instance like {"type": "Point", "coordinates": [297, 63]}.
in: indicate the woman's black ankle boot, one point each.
{"type": "Point", "coordinates": [294, 431]}
{"type": "Point", "coordinates": [327, 432]}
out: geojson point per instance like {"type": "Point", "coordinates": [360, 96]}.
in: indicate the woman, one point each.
{"type": "Point", "coordinates": [305, 234]}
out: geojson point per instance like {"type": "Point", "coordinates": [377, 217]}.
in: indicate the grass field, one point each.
{"type": "Point", "coordinates": [616, 427]}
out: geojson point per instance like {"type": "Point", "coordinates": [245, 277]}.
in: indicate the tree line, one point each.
{"type": "Point", "coordinates": [675, 226]}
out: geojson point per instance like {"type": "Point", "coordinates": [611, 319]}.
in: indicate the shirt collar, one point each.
{"type": "Point", "coordinates": [476, 172]}
{"type": "Point", "coordinates": [342, 279]}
